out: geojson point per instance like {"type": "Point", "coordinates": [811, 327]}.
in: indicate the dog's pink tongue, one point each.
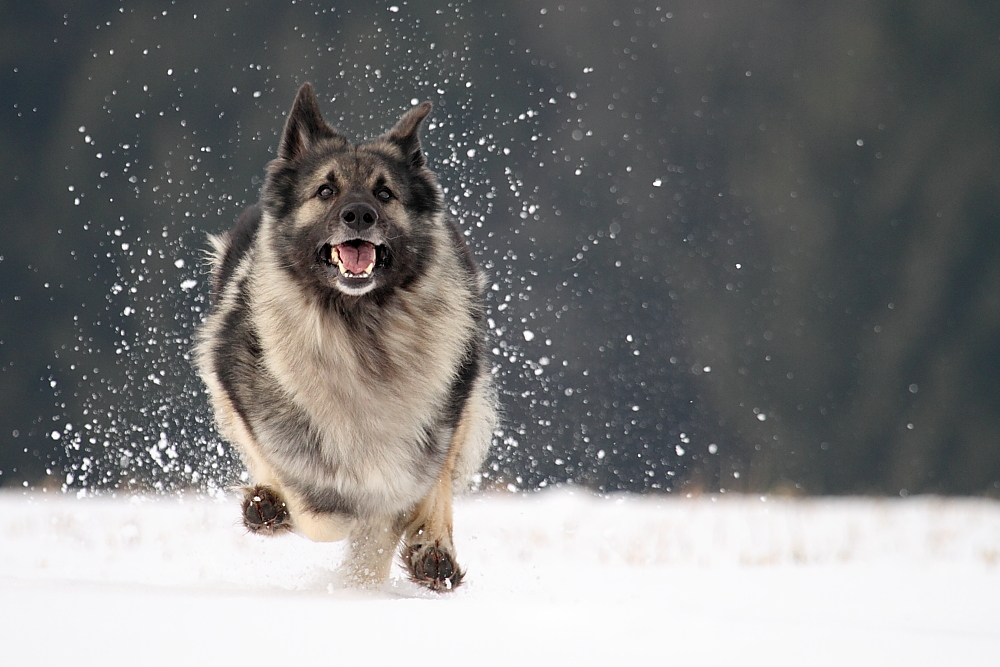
{"type": "Point", "coordinates": [356, 258]}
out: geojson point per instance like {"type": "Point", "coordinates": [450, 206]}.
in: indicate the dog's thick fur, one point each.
{"type": "Point", "coordinates": [344, 352]}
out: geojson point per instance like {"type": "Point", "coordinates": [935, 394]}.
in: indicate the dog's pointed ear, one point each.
{"type": "Point", "coordinates": [405, 133]}
{"type": "Point", "coordinates": [305, 125]}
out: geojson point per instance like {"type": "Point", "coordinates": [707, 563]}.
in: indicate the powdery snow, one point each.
{"type": "Point", "coordinates": [554, 578]}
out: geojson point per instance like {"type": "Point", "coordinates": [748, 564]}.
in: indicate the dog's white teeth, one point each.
{"type": "Point", "coordinates": [335, 259]}
{"type": "Point", "coordinates": [348, 274]}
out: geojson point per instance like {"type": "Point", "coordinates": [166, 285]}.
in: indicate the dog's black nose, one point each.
{"type": "Point", "coordinates": [359, 216]}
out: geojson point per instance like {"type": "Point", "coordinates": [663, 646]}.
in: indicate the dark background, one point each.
{"type": "Point", "coordinates": [742, 246]}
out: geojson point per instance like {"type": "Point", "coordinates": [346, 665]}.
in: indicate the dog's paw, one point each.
{"type": "Point", "coordinates": [264, 512]}
{"type": "Point", "coordinates": [433, 566]}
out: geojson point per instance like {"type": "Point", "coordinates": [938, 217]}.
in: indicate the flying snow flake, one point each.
{"type": "Point", "coordinates": [528, 335]}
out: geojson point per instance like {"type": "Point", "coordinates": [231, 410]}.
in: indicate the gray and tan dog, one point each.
{"type": "Point", "coordinates": [344, 354]}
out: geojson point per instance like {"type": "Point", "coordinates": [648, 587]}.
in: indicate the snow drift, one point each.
{"type": "Point", "coordinates": [559, 577]}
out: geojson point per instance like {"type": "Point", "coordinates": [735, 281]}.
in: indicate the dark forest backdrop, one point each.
{"type": "Point", "coordinates": [749, 246]}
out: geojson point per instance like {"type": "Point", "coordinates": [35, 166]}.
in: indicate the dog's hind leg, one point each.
{"type": "Point", "coordinates": [372, 546]}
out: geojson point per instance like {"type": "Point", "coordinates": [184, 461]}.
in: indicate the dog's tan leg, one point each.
{"type": "Point", "coordinates": [269, 509]}
{"type": "Point", "coordinates": [428, 552]}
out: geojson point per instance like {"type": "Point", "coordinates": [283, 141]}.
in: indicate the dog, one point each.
{"type": "Point", "coordinates": [344, 353]}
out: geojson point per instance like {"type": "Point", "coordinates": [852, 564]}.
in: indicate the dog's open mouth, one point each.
{"type": "Point", "coordinates": [354, 259]}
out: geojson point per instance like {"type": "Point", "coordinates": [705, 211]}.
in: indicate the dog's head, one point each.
{"type": "Point", "coordinates": [351, 219]}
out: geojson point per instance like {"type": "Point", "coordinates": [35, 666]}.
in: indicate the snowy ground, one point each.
{"type": "Point", "coordinates": [558, 578]}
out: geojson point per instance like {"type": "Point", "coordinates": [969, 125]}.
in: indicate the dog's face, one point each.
{"type": "Point", "coordinates": [351, 220]}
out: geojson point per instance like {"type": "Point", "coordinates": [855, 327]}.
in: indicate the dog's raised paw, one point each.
{"type": "Point", "coordinates": [432, 566]}
{"type": "Point", "coordinates": [264, 512]}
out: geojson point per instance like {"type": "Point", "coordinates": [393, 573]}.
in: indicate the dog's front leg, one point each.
{"type": "Point", "coordinates": [428, 552]}
{"type": "Point", "coordinates": [264, 510]}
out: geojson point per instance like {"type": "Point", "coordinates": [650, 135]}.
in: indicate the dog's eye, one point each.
{"type": "Point", "coordinates": [384, 194]}
{"type": "Point", "coordinates": [324, 192]}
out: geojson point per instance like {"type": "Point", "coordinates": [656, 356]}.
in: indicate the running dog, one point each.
{"type": "Point", "coordinates": [344, 351]}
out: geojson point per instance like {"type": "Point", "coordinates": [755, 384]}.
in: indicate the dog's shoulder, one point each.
{"type": "Point", "coordinates": [468, 270]}
{"type": "Point", "coordinates": [230, 248]}
{"type": "Point", "coordinates": [462, 248]}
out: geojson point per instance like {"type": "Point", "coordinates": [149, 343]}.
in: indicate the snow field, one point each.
{"type": "Point", "coordinates": [559, 577]}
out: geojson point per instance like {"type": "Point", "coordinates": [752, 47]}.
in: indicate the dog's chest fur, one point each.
{"type": "Point", "coordinates": [371, 384]}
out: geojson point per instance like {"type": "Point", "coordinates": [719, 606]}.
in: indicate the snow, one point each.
{"type": "Point", "coordinates": [558, 577]}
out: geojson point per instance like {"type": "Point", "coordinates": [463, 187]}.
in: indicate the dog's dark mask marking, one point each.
{"type": "Point", "coordinates": [355, 218]}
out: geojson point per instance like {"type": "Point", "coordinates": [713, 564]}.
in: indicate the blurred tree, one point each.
{"type": "Point", "coordinates": [741, 247]}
